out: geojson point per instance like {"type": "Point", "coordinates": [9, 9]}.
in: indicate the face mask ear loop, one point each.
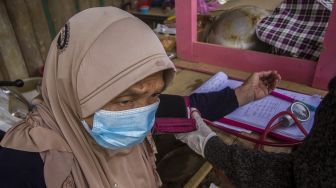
{"type": "Point", "coordinates": [86, 126]}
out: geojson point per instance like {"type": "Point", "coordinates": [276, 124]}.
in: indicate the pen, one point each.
{"type": "Point", "coordinates": [290, 99]}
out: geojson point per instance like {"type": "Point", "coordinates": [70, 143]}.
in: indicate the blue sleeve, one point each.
{"type": "Point", "coordinates": [215, 105]}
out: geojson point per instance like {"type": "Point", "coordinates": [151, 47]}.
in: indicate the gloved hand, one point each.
{"type": "Point", "coordinates": [197, 139]}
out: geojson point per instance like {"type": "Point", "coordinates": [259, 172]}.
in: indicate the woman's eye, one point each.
{"type": "Point", "coordinates": [156, 95]}
{"type": "Point", "coordinates": [124, 102]}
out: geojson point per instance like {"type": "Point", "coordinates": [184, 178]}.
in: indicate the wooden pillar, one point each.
{"type": "Point", "coordinates": [61, 11]}
{"type": "Point", "coordinates": [1, 76]}
{"type": "Point", "coordinates": [115, 3]}
{"type": "Point", "coordinates": [19, 16]}
{"type": "Point", "coordinates": [13, 63]}
{"type": "Point", "coordinates": [40, 26]}
{"type": "Point", "coordinates": [83, 4]}
{"type": "Point", "coordinates": [96, 3]}
{"type": "Point", "coordinates": [3, 71]}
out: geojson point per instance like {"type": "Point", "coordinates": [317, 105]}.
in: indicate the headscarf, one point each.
{"type": "Point", "coordinates": [97, 55]}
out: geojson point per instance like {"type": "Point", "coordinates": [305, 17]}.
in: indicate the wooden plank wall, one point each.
{"type": "Point", "coordinates": [27, 28]}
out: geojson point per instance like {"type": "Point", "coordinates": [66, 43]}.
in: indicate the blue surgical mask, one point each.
{"type": "Point", "coordinates": [122, 129]}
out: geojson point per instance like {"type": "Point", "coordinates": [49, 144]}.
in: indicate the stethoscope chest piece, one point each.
{"type": "Point", "coordinates": [300, 110]}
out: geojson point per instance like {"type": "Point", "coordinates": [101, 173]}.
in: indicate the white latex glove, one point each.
{"type": "Point", "coordinates": [197, 139]}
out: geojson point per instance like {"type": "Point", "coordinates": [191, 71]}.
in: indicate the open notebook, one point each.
{"type": "Point", "coordinates": [257, 114]}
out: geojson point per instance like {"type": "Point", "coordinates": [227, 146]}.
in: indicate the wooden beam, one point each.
{"type": "Point", "coordinates": [13, 62]}
{"type": "Point", "coordinates": [83, 4]}
{"type": "Point", "coordinates": [199, 176]}
{"type": "Point", "coordinates": [115, 3]}
{"type": "Point", "coordinates": [3, 71]}
{"type": "Point", "coordinates": [95, 3]}
{"type": "Point", "coordinates": [40, 26]}
{"type": "Point", "coordinates": [61, 11]}
{"type": "Point", "coordinates": [22, 25]}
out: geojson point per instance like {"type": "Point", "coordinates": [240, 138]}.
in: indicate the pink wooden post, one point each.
{"type": "Point", "coordinates": [187, 28]}
{"type": "Point", "coordinates": [316, 74]}
{"type": "Point", "coordinates": [326, 67]}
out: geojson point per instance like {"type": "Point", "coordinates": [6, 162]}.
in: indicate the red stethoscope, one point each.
{"type": "Point", "coordinates": [297, 113]}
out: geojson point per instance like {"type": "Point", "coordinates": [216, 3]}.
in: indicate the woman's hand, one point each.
{"type": "Point", "coordinates": [257, 86]}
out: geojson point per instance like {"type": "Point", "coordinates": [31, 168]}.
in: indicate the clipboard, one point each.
{"type": "Point", "coordinates": [255, 115]}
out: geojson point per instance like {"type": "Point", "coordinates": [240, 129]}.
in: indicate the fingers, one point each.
{"type": "Point", "coordinates": [269, 79]}
{"type": "Point", "coordinates": [264, 88]}
{"type": "Point", "coordinates": [197, 116]}
{"type": "Point", "coordinates": [274, 80]}
{"type": "Point", "coordinates": [195, 113]}
{"type": "Point", "coordinates": [264, 91]}
{"type": "Point", "coordinates": [268, 73]}
{"type": "Point", "coordinates": [264, 73]}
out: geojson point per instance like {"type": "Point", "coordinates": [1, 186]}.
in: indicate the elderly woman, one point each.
{"type": "Point", "coordinates": [102, 80]}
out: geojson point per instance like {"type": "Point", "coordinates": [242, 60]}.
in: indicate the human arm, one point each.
{"type": "Point", "coordinates": [244, 167]}
{"type": "Point", "coordinates": [250, 168]}
{"type": "Point", "coordinates": [215, 105]}
{"type": "Point", "coordinates": [212, 105]}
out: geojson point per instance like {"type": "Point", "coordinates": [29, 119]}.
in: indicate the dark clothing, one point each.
{"type": "Point", "coordinates": [215, 105]}
{"type": "Point", "coordinates": [250, 168]}
{"type": "Point", "coordinates": [25, 169]}
{"type": "Point", "coordinates": [20, 169]}
{"type": "Point", "coordinates": [312, 164]}
{"type": "Point", "coordinates": [2, 134]}
{"type": "Point", "coordinates": [212, 106]}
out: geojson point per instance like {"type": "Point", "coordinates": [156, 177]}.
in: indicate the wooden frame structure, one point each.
{"type": "Point", "coordinates": [315, 74]}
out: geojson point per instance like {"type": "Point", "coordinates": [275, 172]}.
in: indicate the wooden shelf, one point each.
{"type": "Point", "coordinates": [153, 17]}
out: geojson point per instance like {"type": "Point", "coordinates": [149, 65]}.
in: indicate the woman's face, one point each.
{"type": "Point", "coordinates": [143, 93]}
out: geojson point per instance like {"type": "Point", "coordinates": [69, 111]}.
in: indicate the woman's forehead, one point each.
{"type": "Point", "coordinates": [154, 81]}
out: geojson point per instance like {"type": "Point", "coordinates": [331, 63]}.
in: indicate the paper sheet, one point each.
{"type": "Point", "coordinates": [215, 83]}
{"type": "Point", "coordinates": [231, 127]}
